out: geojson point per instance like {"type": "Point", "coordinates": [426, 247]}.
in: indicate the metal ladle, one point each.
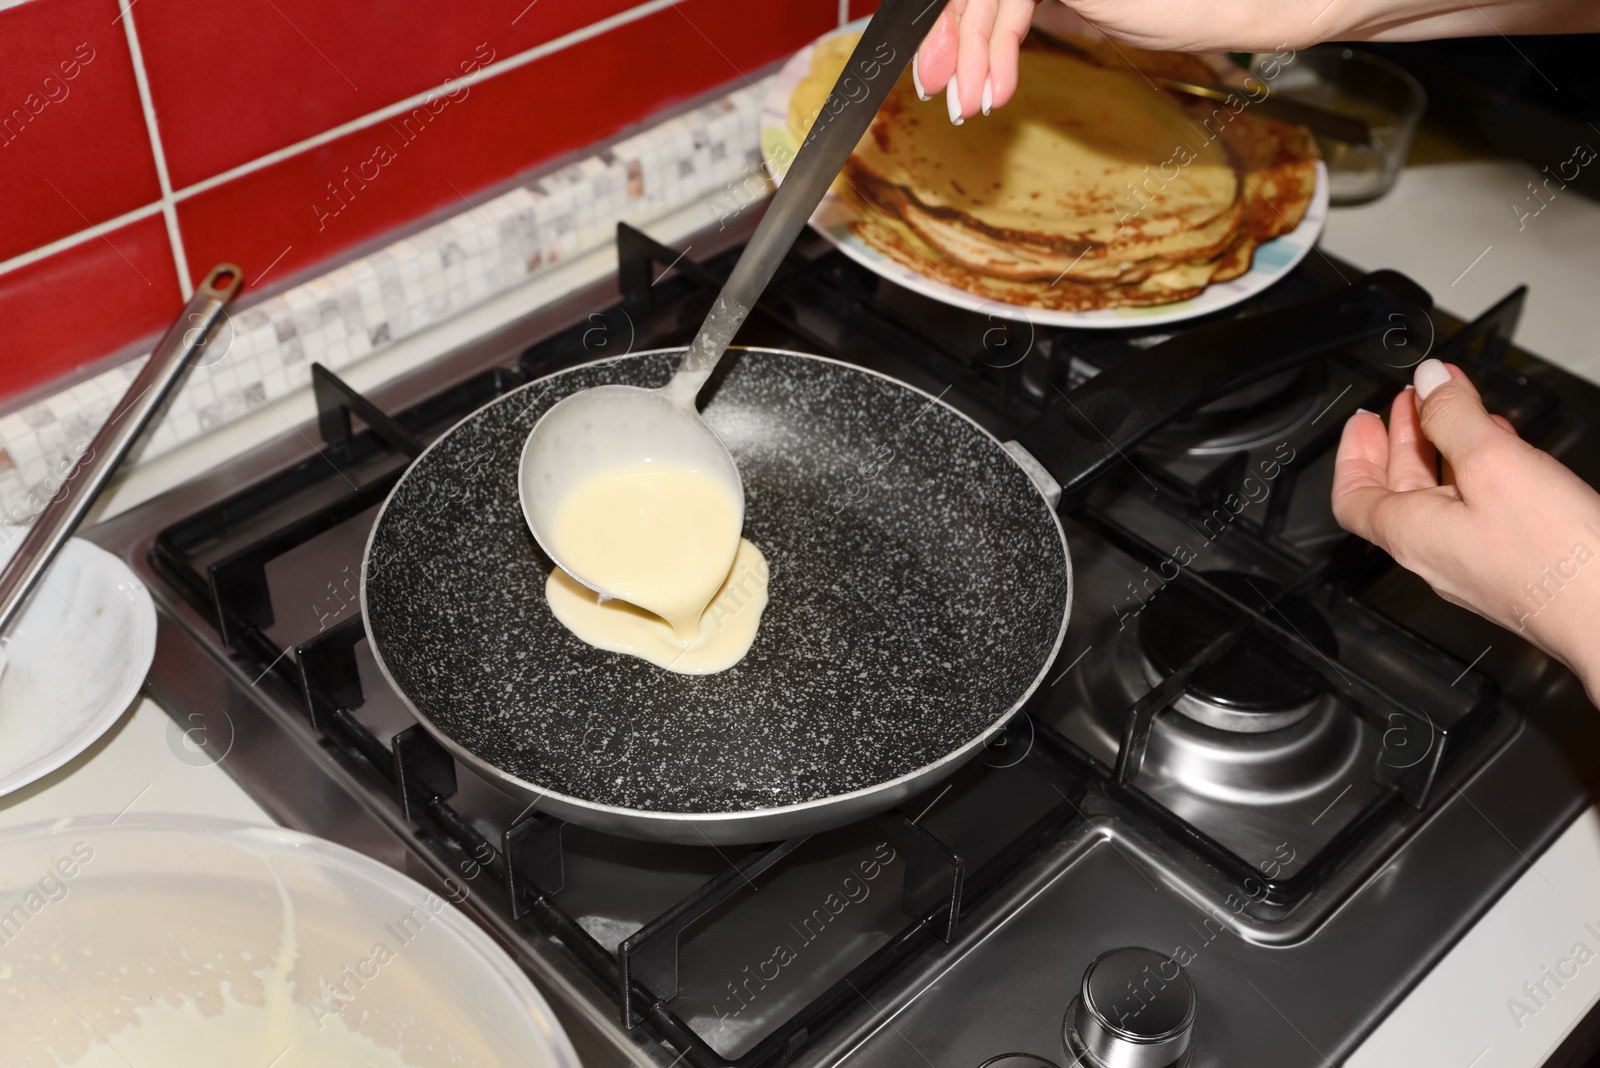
{"type": "Point", "coordinates": [610, 427]}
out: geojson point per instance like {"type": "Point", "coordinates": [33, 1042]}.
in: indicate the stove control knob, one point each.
{"type": "Point", "coordinates": [1134, 1010]}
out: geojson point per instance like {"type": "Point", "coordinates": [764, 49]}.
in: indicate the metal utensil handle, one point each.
{"type": "Point", "coordinates": [885, 48]}
{"type": "Point", "coordinates": [1334, 124]}
{"type": "Point", "coordinates": [1347, 128]}
{"type": "Point", "coordinates": [93, 469]}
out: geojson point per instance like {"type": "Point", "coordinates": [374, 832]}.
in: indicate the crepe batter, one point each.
{"type": "Point", "coordinates": [690, 591]}
{"type": "Point", "coordinates": [180, 1036]}
{"type": "Point", "coordinates": [727, 628]}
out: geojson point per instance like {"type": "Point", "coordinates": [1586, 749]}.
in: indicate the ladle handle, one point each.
{"type": "Point", "coordinates": [886, 47]}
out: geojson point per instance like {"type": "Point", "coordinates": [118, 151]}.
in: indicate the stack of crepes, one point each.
{"type": "Point", "coordinates": [1090, 189]}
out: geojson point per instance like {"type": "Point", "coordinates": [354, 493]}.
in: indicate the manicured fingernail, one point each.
{"type": "Point", "coordinates": [916, 80]}
{"type": "Point", "coordinates": [988, 94]}
{"type": "Point", "coordinates": [1429, 376]}
{"type": "Point", "coordinates": [1410, 386]}
{"type": "Point", "coordinates": [952, 96]}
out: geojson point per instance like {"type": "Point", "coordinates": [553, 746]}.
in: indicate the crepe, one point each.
{"type": "Point", "coordinates": [1090, 189]}
{"type": "Point", "coordinates": [827, 62]}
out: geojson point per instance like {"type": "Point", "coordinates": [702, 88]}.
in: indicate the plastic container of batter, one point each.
{"type": "Point", "coordinates": [184, 941]}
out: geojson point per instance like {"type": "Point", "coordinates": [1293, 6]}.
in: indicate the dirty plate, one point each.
{"type": "Point", "coordinates": [75, 659]}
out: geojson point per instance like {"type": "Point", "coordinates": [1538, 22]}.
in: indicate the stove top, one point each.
{"type": "Point", "coordinates": [1265, 753]}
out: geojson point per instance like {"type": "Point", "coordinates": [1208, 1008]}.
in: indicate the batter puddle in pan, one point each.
{"type": "Point", "coordinates": [723, 632]}
{"type": "Point", "coordinates": [660, 537]}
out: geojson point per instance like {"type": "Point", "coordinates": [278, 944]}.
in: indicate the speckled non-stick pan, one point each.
{"type": "Point", "coordinates": [920, 588]}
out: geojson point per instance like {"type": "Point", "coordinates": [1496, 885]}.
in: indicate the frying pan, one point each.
{"type": "Point", "coordinates": [920, 584]}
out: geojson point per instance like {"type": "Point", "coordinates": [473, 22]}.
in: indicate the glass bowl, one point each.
{"type": "Point", "coordinates": [1354, 83]}
{"type": "Point", "coordinates": [182, 941]}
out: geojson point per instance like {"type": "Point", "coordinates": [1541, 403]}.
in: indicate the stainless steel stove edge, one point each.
{"type": "Point", "coordinates": [1401, 938]}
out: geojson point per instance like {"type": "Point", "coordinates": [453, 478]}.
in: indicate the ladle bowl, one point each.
{"type": "Point", "coordinates": [610, 427]}
{"type": "Point", "coordinates": [614, 426]}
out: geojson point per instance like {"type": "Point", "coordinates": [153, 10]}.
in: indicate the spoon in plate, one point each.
{"type": "Point", "coordinates": [92, 468]}
{"type": "Point", "coordinates": [608, 428]}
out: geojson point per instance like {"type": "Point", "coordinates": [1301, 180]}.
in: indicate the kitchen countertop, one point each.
{"type": "Point", "coordinates": [141, 764]}
{"type": "Point", "coordinates": [1451, 227]}
{"type": "Point", "coordinates": [1472, 1010]}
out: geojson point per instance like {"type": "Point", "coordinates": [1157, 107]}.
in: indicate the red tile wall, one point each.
{"type": "Point", "coordinates": [343, 60]}
{"type": "Point", "coordinates": [73, 147]}
{"type": "Point", "coordinates": [231, 83]}
{"type": "Point", "coordinates": [79, 304]}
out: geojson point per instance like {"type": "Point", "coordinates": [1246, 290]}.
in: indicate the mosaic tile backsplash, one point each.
{"type": "Point", "coordinates": [264, 353]}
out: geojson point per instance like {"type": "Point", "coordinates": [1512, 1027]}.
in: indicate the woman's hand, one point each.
{"type": "Point", "coordinates": [1508, 532]}
{"type": "Point", "coordinates": [971, 55]}
{"type": "Point", "coordinates": [971, 52]}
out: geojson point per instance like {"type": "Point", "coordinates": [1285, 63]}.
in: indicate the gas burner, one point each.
{"type": "Point", "coordinates": [1297, 761]}
{"type": "Point", "coordinates": [1258, 767]}
{"type": "Point", "coordinates": [1255, 686]}
{"type": "Point", "coordinates": [1257, 415]}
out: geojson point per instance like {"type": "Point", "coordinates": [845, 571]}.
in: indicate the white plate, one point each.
{"type": "Point", "coordinates": [833, 217]}
{"type": "Point", "coordinates": [77, 658]}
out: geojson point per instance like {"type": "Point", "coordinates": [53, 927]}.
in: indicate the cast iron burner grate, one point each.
{"type": "Point", "coordinates": [1223, 646]}
{"type": "Point", "coordinates": [218, 560]}
{"type": "Point", "coordinates": [1248, 688]}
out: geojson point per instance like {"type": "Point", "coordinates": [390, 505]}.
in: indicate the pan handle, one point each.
{"type": "Point", "coordinates": [1080, 437]}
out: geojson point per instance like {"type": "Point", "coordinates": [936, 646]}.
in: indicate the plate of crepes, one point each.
{"type": "Point", "coordinates": [1092, 199]}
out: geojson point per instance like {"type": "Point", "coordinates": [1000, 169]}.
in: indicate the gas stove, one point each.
{"type": "Point", "coordinates": [1203, 842]}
